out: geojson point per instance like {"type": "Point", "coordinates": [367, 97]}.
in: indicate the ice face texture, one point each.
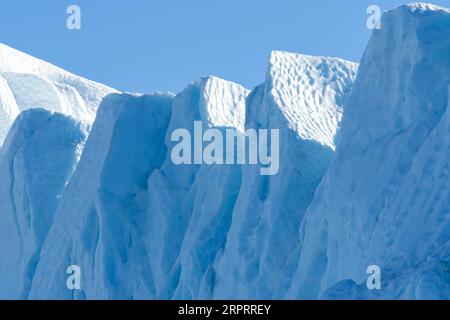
{"type": "Point", "coordinates": [190, 209]}
{"type": "Point", "coordinates": [36, 161]}
{"type": "Point", "coordinates": [97, 222]}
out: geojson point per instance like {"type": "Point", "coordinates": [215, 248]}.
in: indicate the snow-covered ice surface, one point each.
{"type": "Point", "coordinates": [386, 197]}
{"type": "Point", "coordinates": [8, 109]}
{"type": "Point", "coordinates": [27, 82]}
{"type": "Point", "coordinates": [222, 103]}
{"type": "Point", "coordinates": [310, 92]}
{"type": "Point", "coordinates": [36, 161]}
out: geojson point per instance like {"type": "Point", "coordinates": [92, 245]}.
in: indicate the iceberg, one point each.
{"type": "Point", "coordinates": [88, 179]}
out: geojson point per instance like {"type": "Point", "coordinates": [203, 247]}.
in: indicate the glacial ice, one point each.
{"type": "Point", "coordinates": [385, 198]}
{"type": "Point", "coordinates": [190, 208]}
{"type": "Point", "coordinates": [363, 179]}
{"type": "Point", "coordinates": [168, 231]}
{"type": "Point", "coordinates": [303, 97]}
{"type": "Point", "coordinates": [8, 108]}
{"type": "Point", "coordinates": [97, 223]}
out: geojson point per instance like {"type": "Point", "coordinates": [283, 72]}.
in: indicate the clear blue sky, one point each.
{"type": "Point", "coordinates": [148, 45]}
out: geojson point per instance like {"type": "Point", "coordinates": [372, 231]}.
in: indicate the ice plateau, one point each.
{"type": "Point", "coordinates": [363, 179]}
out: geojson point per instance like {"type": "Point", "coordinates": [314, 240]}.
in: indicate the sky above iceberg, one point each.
{"type": "Point", "coordinates": [148, 45]}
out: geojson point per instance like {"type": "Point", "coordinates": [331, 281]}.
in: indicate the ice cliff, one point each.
{"type": "Point", "coordinates": [97, 223]}
{"type": "Point", "coordinates": [385, 199]}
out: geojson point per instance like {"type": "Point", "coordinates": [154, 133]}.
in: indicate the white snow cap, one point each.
{"type": "Point", "coordinates": [310, 91]}
{"type": "Point", "coordinates": [423, 7]}
{"type": "Point", "coordinates": [27, 82]}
